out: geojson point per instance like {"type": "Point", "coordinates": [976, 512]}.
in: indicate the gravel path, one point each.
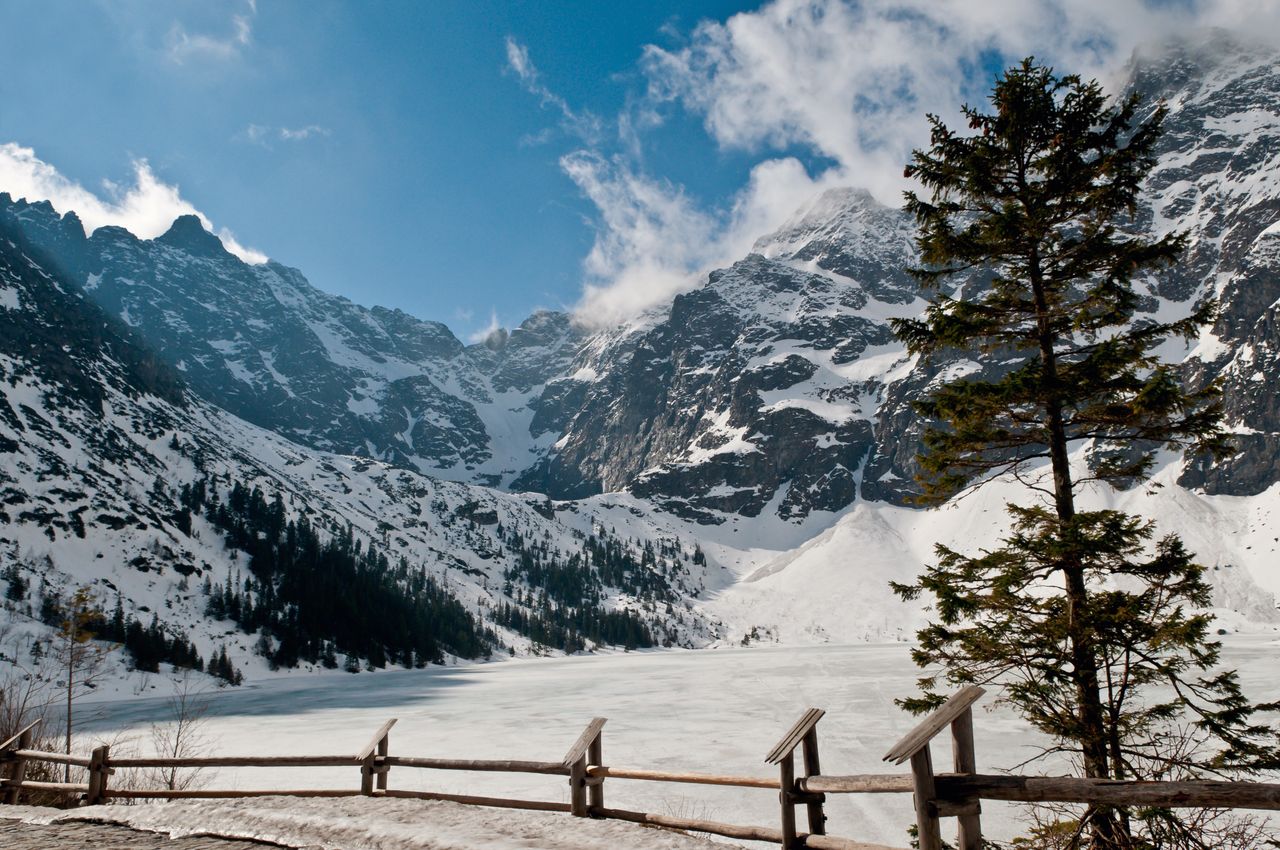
{"type": "Point", "coordinates": [78, 835]}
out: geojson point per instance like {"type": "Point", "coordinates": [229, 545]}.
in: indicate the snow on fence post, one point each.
{"type": "Point", "coordinates": [803, 732]}
{"type": "Point", "coordinates": [576, 761]}
{"type": "Point", "coordinates": [18, 771]}
{"type": "Point", "coordinates": [99, 770]}
{"type": "Point", "coordinates": [373, 760]}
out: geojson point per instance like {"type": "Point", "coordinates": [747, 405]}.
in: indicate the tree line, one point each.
{"type": "Point", "coordinates": [313, 596]}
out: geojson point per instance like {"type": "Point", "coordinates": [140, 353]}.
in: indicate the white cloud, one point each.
{"type": "Point", "coordinates": [263, 135]}
{"type": "Point", "coordinates": [182, 46]}
{"type": "Point", "coordinates": [581, 124]}
{"type": "Point", "coordinates": [303, 133]}
{"type": "Point", "coordinates": [853, 80]}
{"type": "Point", "coordinates": [848, 80]}
{"type": "Point", "coordinates": [482, 334]}
{"type": "Point", "coordinates": [653, 241]}
{"type": "Point", "coordinates": [650, 241]}
{"type": "Point", "coordinates": [146, 208]}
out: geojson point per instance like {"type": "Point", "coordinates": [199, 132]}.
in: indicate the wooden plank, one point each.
{"type": "Point", "coordinates": [863, 783]}
{"type": "Point", "coordinates": [794, 735]}
{"type": "Point", "coordinates": [579, 748]}
{"type": "Point", "coordinates": [813, 807]}
{"type": "Point", "coordinates": [373, 742]}
{"type": "Point", "coordinates": [829, 842]}
{"type": "Point", "coordinates": [57, 758]}
{"type": "Point", "coordinates": [787, 781]}
{"type": "Point", "coordinates": [691, 778]}
{"type": "Point", "coordinates": [493, 802]}
{"type": "Point", "coordinates": [965, 761]}
{"type": "Point", "coordinates": [239, 761]}
{"type": "Point", "coordinates": [948, 809]}
{"type": "Point", "coordinates": [925, 731]}
{"type": "Point", "coordinates": [9, 744]}
{"type": "Point", "coordinates": [493, 765]}
{"type": "Point", "coordinates": [60, 787]}
{"type": "Point", "coordinates": [730, 830]}
{"type": "Point", "coordinates": [210, 794]}
{"type": "Point", "coordinates": [1209, 794]}
{"type": "Point", "coordinates": [929, 832]}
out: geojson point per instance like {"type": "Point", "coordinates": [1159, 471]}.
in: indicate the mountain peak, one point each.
{"type": "Point", "coordinates": [845, 208]}
{"type": "Point", "coordinates": [188, 234]}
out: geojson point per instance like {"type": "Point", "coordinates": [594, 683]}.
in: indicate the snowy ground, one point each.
{"type": "Point", "coordinates": [717, 711]}
{"type": "Point", "coordinates": [365, 824]}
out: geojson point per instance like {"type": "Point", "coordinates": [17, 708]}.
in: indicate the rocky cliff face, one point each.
{"type": "Point", "coordinates": [766, 382]}
{"type": "Point", "coordinates": [1218, 180]}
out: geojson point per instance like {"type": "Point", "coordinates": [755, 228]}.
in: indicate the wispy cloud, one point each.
{"type": "Point", "coordinates": [263, 135]}
{"type": "Point", "coordinates": [481, 334]}
{"type": "Point", "coordinates": [581, 124]}
{"type": "Point", "coordinates": [183, 46]}
{"type": "Point", "coordinates": [146, 207]}
{"type": "Point", "coordinates": [848, 81]}
{"type": "Point", "coordinates": [303, 133]}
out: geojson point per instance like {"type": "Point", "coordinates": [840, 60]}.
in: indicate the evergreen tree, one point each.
{"type": "Point", "coordinates": [1092, 624]}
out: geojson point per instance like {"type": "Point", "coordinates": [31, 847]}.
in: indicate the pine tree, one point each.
{"type": "Point", "coordinates": [1093, 625]}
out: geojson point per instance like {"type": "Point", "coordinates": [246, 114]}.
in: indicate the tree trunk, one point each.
{"type": "Point", "coordinates": [1084, 674]}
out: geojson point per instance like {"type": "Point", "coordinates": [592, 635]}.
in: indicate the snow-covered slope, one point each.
{"type": "Point", "coordinates": [98, 439]}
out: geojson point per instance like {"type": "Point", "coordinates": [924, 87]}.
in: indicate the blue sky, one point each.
{"type": "Point", "coordinates": [418, 170]}
{"type": "Point", "coordinates": [463, 160]}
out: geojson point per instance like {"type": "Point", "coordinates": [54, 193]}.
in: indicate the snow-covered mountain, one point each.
{"type": "Point", "coordinates": [776, 383]}
{"type": "Point", "coordinates": [733, 465]}
{"type": "Point", "coordinates": [100, 443]}
{"type": "Point", "coordinates": [262, 343]}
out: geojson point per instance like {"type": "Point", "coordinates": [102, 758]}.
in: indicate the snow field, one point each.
{"type": "Point", "coordinates": [717, 711]}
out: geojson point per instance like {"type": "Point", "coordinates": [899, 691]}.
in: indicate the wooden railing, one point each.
{"type": "Point", "coordinates": [936, 795]}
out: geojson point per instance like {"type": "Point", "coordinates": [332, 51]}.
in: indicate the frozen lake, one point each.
{"type": "Point", "coordinates": [709, 711]}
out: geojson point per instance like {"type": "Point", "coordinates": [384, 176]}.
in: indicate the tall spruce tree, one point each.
{"type": "Point", "coordinates": [1094, 627]}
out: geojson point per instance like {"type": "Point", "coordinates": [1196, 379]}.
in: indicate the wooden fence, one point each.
{"type": "Point", "coordinates": [936, 795]}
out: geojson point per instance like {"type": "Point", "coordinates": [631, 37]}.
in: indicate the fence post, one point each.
{"type": "Point", "coordinates": [368, 758]}
{"type": "Point", "coordinates": [930, 832]}
{"type": "Point", "coordinates": [576, 762]}
{"type": "Point", "coordinates": [970, 837]}
{"type": "Point", "coordinates": [384, 749]}
{"type": "Point", "coordinates": [98, 773]}
{"type": "Point", "coordinates": [817, 818]}
{"type": "Point", "coordinates": [915, 746]}
{"type": "Point", "coordinates": [595, 755]}
{"type": "Point", "coordinates": [787, 783]}
{"type": "Point", "coordinates": [802, 732]}
{"type": "Point", "coordinates": [19, 770]}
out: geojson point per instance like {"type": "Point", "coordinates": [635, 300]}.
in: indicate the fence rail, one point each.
{"type": "Point", "coordinates": [955, 794]}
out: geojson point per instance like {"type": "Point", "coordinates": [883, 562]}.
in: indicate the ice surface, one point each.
{"type": "Point", "coordinates": [705, 711]}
